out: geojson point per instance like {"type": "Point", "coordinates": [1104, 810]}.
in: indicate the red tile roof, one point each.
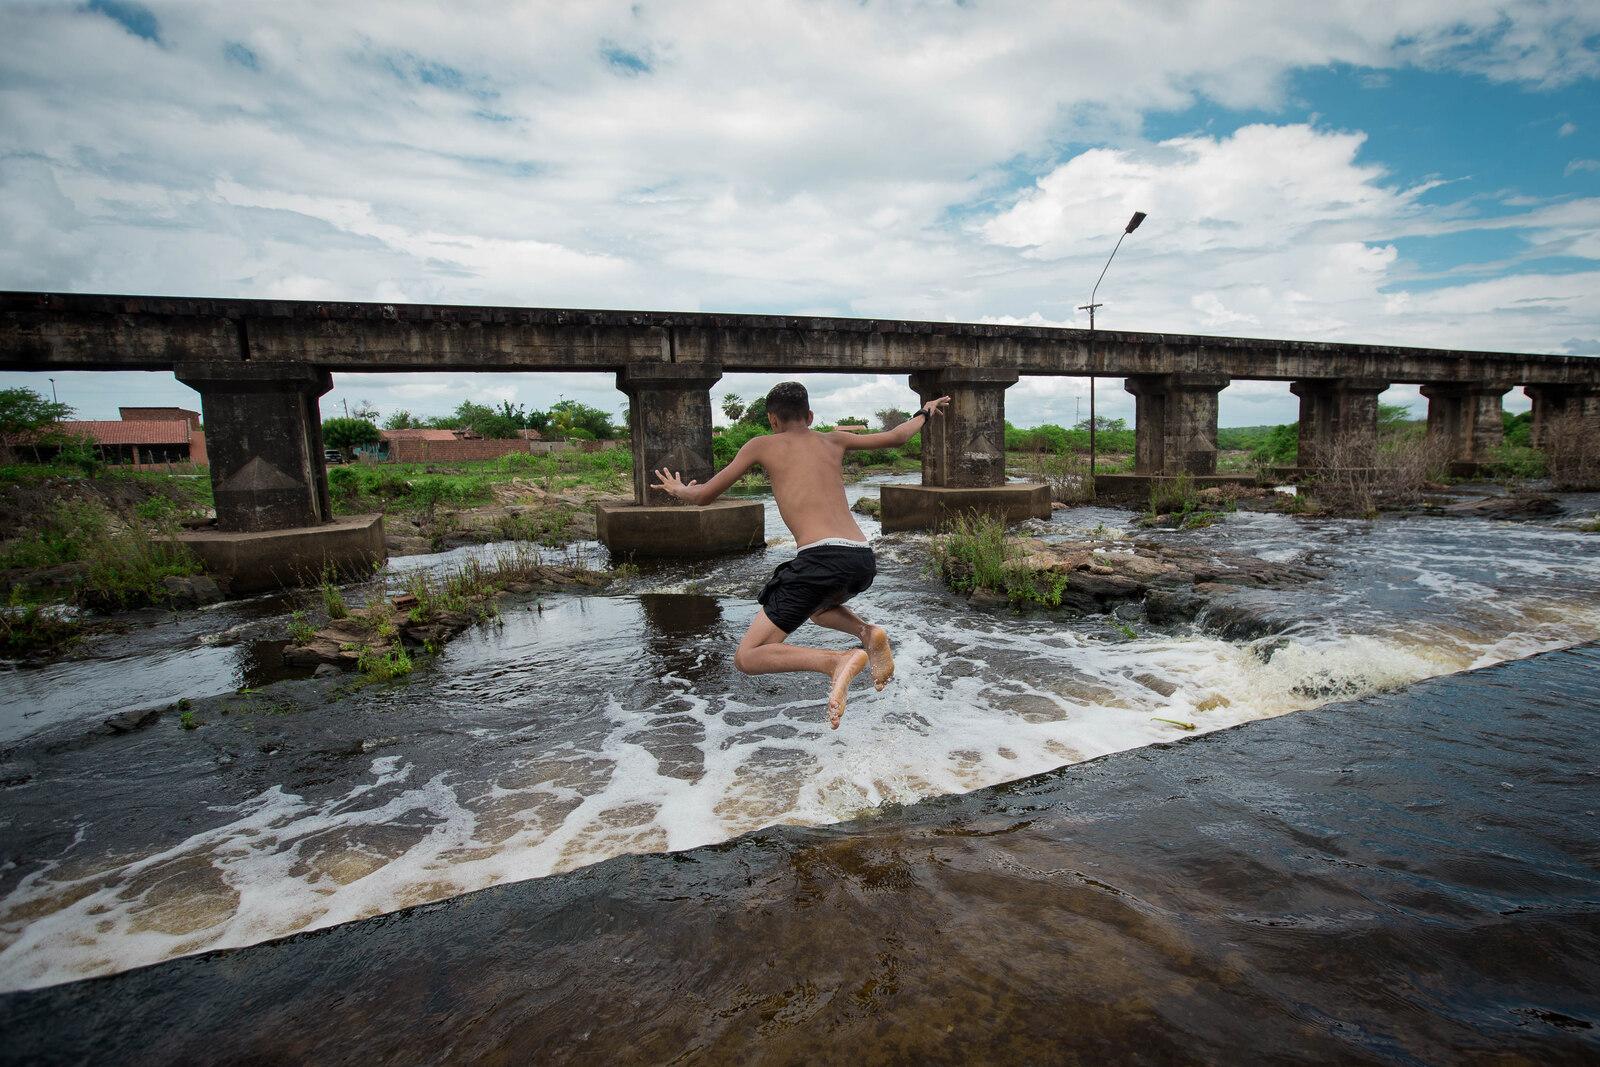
{"type": "Point", "coordinates": [132, 432]}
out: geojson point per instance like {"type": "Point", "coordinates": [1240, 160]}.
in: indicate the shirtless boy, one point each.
{"type": "Point", "coordinates": [834, 562]}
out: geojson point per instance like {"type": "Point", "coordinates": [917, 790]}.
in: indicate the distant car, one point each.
{"type": "Point", "coordinates": [332, 455]}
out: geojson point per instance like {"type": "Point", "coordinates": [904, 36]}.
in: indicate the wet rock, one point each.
{"type": "Point", "coordinates": [985, 599]}
{"type": "Point", "coordinates": [869, 506]}
{"type": "Point", "coordinates": [16, 772]}
{"type": "Point", "coordinates": [408, 546]}
{"type": "Point", "coordinates": [1155, 684]}
{"type": "Point", "coordinates": [125, 722]}
{"type": "Point", "coordinates": [1174, 583]}
{"type": "Point", "coordinates": [1168, 607]}
{"type": "Point", "coordinates": [190, 590]}
{"type": "Point", "coordinates": [1520, 506]}
{"type": "Point", "coordinates": [325, 670]}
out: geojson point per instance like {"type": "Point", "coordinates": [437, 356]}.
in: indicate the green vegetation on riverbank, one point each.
{"type": "Point", "coordinates": [398, 487]}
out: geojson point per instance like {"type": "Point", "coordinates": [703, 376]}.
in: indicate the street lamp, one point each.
{"type": "Point", "coordinates": [53, 398]}
{"type": "Point", "coordinates": [1133, 224]}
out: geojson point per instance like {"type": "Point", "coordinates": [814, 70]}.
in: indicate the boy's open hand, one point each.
{"type": "Point", "coordinates": [936, 407]}
{"type": "Point", "coordinates": [670, 482]}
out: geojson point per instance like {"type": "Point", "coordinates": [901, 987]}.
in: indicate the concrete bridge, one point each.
{"type": "Point", "coordinates": [260, 365]}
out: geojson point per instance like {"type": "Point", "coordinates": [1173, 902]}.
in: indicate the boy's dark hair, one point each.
{"type": "Point", "coordinates": [788, 402]}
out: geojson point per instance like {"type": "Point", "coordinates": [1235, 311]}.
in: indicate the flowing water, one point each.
{"type": "Point", "coordinates": [589, 726]}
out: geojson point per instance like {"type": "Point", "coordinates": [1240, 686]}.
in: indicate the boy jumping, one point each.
{"type": "Point", "coordinates": [834, 562]}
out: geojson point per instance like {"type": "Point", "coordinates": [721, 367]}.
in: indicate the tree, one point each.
{"type": "Point", "coordinates": [889, 418]}
{"type": "Point", "coordinates": [402, 420]}
{"type": "Point", "coordinates": [1102, 424]}
{"type": "Point", "coordinates": [347, 434]}
{"type": "Point", "coordinates": [484, 421]}
{"type": "Point", "coordinates": [732, 406]}
{"type": "Point", "coordinates": [756, 413]}
{"type": "Point", "coordinates": [24, 412]}
{"type": "Point", "coordinates": [364, 410]}
{"type": "Point", "coordinates": [1393, 416]}
{"type": "Point", "coordinates": [572, 415]}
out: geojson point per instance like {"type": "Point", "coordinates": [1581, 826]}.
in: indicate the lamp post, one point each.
{"type": "Point", "coordinates": [1133, 224]}
{"type": "Point", "coordinates": [53, 398]}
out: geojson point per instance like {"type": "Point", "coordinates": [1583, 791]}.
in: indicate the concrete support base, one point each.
{"type": "Point", "coordinates": [1136, 487]}
{"type": "Point", "coordinates": [924, 507]}
{"type": "Point", "coordinates": [258, 561]}
{"type": "Point", "coordinates": [682, 530]}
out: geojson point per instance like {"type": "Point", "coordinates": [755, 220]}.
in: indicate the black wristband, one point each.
{"type": "Point", "coordinates": [923, 412]}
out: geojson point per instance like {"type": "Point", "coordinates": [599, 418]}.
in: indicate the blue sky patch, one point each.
{"type": "Point", "coordinates": [623, 61]}
{"type": "Point", "coordinates": [135, 18]}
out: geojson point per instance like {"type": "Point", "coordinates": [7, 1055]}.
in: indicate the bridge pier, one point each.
{"type": "Point", "coordinates": [275, 524]}
{"type": "Point", "coordinates": [1557, 404]}
{"type": "Point", "coordinates": [1175, 422]}
{"type": "Point", "coordinates": [669, 422]}
{"type": "Point", "coordinates": [963, 455]}
{"type": "Point", "coordinates": [1466, 418]}
{"type": "Point", "coordinates": [1338, 421]}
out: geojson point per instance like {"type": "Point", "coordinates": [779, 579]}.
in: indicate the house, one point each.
{"type": "Point", "coordinates": [143, 436]}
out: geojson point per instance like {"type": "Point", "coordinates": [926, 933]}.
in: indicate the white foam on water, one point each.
{"type": "Point", "coordinates": [950, 722]}
{"type": "Point", "coordinates": [670, 764]}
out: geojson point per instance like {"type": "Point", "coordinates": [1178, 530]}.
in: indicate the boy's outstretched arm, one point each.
{"type": "Point", "coordinates": [694, 493]}
{"type": "Point", "coordinates": [896, 437]}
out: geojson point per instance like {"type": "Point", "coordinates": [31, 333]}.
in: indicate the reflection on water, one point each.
{"type": "Point", "coordinates": [1408, 880]}
{"type": "Point", "coordinates": [585, 727]}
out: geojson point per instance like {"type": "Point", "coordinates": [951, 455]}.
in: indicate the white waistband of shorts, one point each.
{"type": "Point", "coordinates": [842, 541]}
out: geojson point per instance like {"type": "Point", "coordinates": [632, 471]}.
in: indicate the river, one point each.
{"type": "Point", "coordinates": [590, 726]}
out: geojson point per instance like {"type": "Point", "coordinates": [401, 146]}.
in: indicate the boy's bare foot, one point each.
{"type": "Point", "coordinates": [881, 655]}
{"type": "Point", "coordinates": [850, 665]}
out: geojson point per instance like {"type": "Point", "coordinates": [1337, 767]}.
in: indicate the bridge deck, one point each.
{"type": "Point", "coordinates": [49, 331]}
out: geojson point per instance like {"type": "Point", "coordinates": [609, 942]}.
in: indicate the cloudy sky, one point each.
{"type": "Point", "coordinates": [1422, 172]}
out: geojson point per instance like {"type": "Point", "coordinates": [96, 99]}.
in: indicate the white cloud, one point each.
{"type": "Point", "coordinates": [1567, 129]}
{"type": "Point", "coordinates": [1579, 166]}
{"type": "Point", "coordinates": [824, 157]}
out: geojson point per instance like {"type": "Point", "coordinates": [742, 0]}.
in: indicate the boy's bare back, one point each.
{"type": "Point", "coordinates": [805, 468]}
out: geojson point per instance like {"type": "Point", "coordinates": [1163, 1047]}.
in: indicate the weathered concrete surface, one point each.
{"type": "Point", "coordinates": [42, 331]}
{"type": "Point", "coordinates": [258, 561]}
{"type": "Point", "coordinates": [669, 422]}
{"type": "Point", "coordinates": [1553, 404]}
{"type": "Point", "coordinates": [1466, 419]}
{"type": "Point", "coordinates": [265, 446]}
{"type": "Point", "coordinates": [1338, 420]}
{"type": "Point", "coordinates": [924, 507]}
{"type": "Point", "coordinates": [965, 447]}
{"type": "Point", "coordinates": [681, 530]}
{"type": "Point", "coordinates": [1176, 422]}
{"type": "Point", "coordinates": [1137, 486]}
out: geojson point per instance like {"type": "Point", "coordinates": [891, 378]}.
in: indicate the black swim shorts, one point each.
{"type": "Point", "coordinates": [823, 576]}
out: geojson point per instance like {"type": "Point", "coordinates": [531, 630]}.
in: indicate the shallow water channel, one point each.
{"type": "Point", "coordinates": [588, 726]}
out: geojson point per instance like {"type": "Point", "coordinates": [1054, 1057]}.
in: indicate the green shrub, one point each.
{"type": "Point", "coordinates": [28, 628]}
{"type": "Point", "coordinates": [300, 630]}
{"type": "Point", "coordinates": [1281, 448]}
{"type": "Point", "coordinates": [973, 553]}
{"type": "Point", "coordinates": [1518, 428]}
{"type": "Point", "coordinates": [333, 600]}
{"type": "Point", "coordinates": [1174, 495]}
{"type": "Point", "coordinates": [726, 445]}
{"type": "Point", "coordinates": [578, 433]}
{"type": "Point", "coordinates": [1518, 461]}
{"type": "Point", "coordinates": [380, 665]}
